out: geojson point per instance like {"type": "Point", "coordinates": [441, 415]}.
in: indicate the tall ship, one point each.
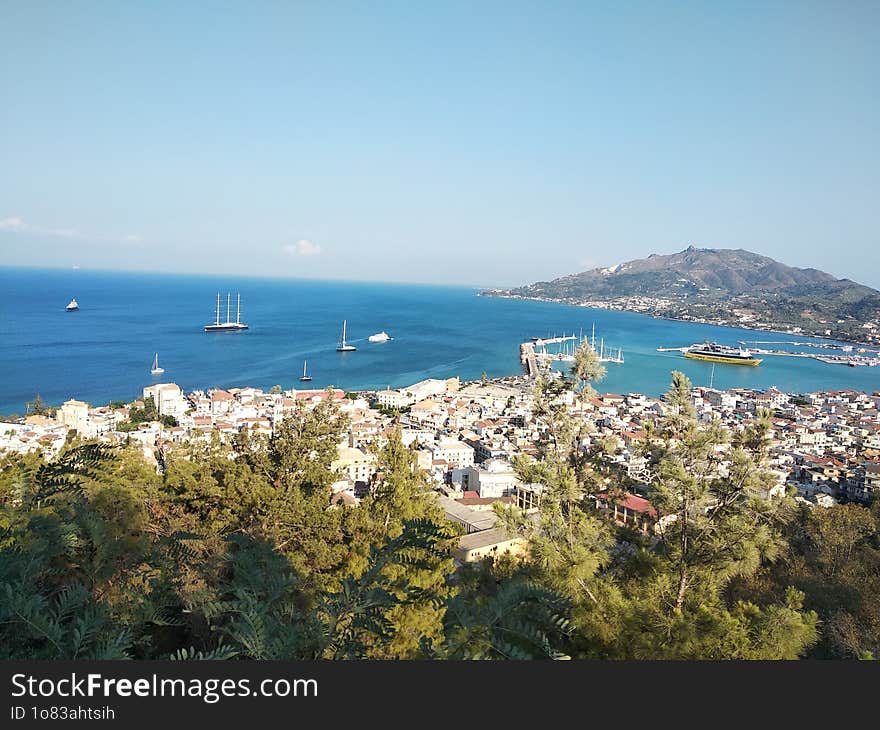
{"type": "Point", "coordinates": [228, 325]}
{"type": "Point", "coordinates": [713, 352]}
{"type": "Point", "coordinates": [73, 306]}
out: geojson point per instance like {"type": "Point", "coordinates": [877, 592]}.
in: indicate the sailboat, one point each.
{"type": "Point", "coordinates": [156, 370]}
{"type": "Point", "coordinates": [343, 345]}
{"type": "Point", "coordinates": [228, 325]}
{"type": "Point", "coordinates": [73, 306]}
{"type": "Point", "coordinates": [305, 376]}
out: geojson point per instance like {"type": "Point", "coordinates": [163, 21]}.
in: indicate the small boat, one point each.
{"type": "Point", "coordinates": [73, 306]}
{"type": "Point", "coordinates": [156, 370]}
{"type": "Point", "coordinates": [305, 376]}
{"type": "Point", "coordinates": [343, 345]}
{"type": "Point", "coordinates": [228, 325]}
{"type": "Point", "coordinates": [382, 336]}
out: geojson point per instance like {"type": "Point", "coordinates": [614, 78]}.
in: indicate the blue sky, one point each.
{"type": "Point", "coordinates": [458, 142]}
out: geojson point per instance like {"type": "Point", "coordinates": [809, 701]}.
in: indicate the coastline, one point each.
{"type": "Point", "coordinates": [715, 323]}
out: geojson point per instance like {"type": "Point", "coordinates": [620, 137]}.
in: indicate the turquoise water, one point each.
{"type": "Point", "coordinates": [104, 350]}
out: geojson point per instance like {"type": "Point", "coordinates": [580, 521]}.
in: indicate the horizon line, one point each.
{"type": "Point", "coordinates": [263, 277]}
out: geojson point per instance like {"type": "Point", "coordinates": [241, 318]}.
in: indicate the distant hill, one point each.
{"type": "Point", "coordinates": [729, 286]}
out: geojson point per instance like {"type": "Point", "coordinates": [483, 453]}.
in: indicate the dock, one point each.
{"type": "Point", "coordinates": [536, 360]}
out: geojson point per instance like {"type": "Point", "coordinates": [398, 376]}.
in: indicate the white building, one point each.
{"type": "Point", "coordinates": [492, 478]}
{"type": "Point", "coordinates": [75, 414]}
{"type": "Point", "coordinates": [456, 453]}
{"type": "Point", "coordinates": [168, 398]}
{"type": "Point", "coordinates": [354, 464]}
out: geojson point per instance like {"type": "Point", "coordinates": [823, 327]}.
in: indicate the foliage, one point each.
{"type": "Point", "coordinates": [238, 551]}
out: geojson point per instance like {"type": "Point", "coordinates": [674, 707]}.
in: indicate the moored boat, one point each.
{"type": "Point", "coordinates": [343, 345]}
{"type": "Point", "coordinates": [305, 376]}
{"type": "Point", "coordinates": [228, 325]}
{"type": "Point", "coordinates": [156, 370]}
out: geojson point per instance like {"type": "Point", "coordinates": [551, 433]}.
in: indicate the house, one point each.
{"type": "Point", "coordinates": [492, 478]}
{"type": "Point", "coordinates": [354, 464]}
{"type": "Point", "coordinates": [456, 453]}
{"type": "Point", "coordinates": [487, 544]}
{"type": "Point", "coordinates": [169, 399]}
{"type": "Point", "coordinates": [629, 511]}
{"type": "Point", "coordinates": [75, 415]}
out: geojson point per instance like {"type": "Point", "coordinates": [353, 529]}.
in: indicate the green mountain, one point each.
{"type": "Point", "coordinates": [730, 286]}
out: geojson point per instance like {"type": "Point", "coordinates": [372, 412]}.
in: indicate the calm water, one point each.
{"type": "Point", "coordinates": [104, 350]}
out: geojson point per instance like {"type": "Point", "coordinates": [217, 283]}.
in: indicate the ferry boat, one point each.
{"type": "Point", "coordinates": [156, 370]}
{"type": "Point", "coordinates": [382, 336]}
{"type": "Point", "coordinates": [228, 325]}
{"type": "Point", "coordinates": [713, 352]}
{"type": "Point", "coordinates": [343, 345]}
{"type": "Point", "coordinates": [73, 306]}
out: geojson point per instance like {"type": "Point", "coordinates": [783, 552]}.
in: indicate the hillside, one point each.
{"type": "Point", "coordinates": [723, 286]}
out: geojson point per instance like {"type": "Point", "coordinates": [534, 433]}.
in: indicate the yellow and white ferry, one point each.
{"type": "Point", "coordinates": [713, 352]}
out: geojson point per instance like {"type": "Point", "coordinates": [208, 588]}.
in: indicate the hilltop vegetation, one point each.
{"type": "Point", "coordinates": [722, 285]}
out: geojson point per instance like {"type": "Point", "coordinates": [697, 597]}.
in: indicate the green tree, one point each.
{"type": "Point", "coordinates": [587, 368]}
{"type": "Point", "coordinates": [400, 496]}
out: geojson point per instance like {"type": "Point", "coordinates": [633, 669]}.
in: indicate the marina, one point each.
{"type": "Point", "coordinates": [537, 359]}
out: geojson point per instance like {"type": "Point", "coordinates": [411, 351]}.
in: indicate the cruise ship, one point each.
{"type": "Point", "coordinates": [713, 352]}
{"type": "Point", "coordinates": [228, 325]}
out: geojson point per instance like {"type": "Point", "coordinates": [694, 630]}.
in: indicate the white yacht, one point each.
{"type": "Point", "coordinates": [228, 325]}
{"type": "Point", "coordinates": [343, 345]}
{"type": "Point", "coordinates": [382, 336]}
{"type": "Point", "coordinates": [156, 370]}
{"type": "Point", "coordinates": [73, 306]}
{"type": "Point", "coordinates": [305, 376]}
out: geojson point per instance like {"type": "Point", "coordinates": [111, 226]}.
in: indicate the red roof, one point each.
{"type": "Point", "coordinates": [638, 504]}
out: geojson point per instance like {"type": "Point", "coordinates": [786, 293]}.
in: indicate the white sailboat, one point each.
{"type": "Point", "coordinates": [228, 325]}
{"type": "Point", "coordinates": [305, 376]}
{"type": "Point", "coordinates": [156, 370]}
{"type": "Point", "coordinates": [343, 345]}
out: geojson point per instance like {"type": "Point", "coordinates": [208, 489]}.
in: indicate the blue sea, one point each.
{"type": "Point", "coordinates": [104, 351]}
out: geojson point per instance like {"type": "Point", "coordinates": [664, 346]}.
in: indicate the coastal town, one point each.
{"type": "Point", "coordinates": [825, 446]}
{"type": "Point", "coordinates": [747, 316]}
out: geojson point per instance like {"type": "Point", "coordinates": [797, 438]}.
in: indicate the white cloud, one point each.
{"type": "Point", "coordinates": [14, 224]}
{"type": "Point", "coordinates": [303, 248]}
